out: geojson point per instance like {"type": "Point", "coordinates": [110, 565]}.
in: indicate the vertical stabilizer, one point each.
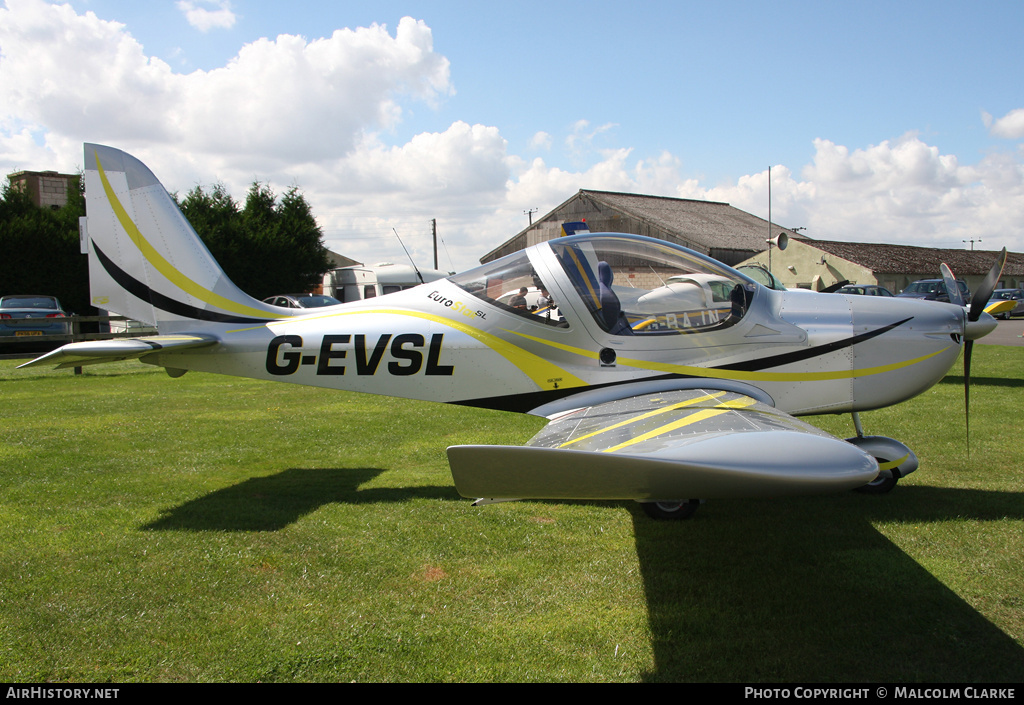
{"type": "Point", "coordinates": [145, 260]}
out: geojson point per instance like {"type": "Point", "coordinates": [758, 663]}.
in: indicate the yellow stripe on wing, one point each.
{"type": "Point", "coordinates": [693, 418]}
{"type": "Point", "coordinates": [646, 415]}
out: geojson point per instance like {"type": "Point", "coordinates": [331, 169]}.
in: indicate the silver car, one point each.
{"type": "Point", "coordinates": [29, 316]}
{"type": "Point", "coordinates": [301, 300]}
{"type": "Point", "coordinates": [864, 290]}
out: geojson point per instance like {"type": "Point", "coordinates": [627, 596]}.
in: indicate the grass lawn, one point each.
{"type": "Point", "coordinates": [218, 529]}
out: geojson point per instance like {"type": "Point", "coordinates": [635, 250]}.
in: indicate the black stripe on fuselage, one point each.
{"type": "Point", "coordinates": [136, 288]}
{"type": "Point", "coordinates": [531, 400]}
{"type": "Point", "coordinates": [763, 363]}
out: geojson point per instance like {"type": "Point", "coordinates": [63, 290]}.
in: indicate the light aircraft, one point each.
{"type": "Point", "coordinates": [665, 375]}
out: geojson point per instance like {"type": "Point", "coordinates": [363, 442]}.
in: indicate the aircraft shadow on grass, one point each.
{"type": "Point", "coordinates": [958, 381]}
{"type": "Point", "coordinates": [727, 590]}
{"type": "Point", "coordinates": [271, 503]}
{"type": "Point", "coordinates": [740, 596]}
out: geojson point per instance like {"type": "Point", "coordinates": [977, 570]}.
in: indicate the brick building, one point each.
{"type": "Point", "coordinates": [48, 188]}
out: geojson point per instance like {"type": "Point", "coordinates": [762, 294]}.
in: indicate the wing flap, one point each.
{"type": "Point", "coordinates": [674, 445]}
{"type": "Point", "coordinates": [96, 352]}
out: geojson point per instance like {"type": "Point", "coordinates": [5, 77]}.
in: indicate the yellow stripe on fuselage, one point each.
{"type": "Point", "coordinates": [741, 375]}
{"type": "Point", "coordinates": [545, 374]}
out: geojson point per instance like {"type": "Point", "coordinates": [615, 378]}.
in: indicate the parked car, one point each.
{"type": "Point", "coordinates": [933, 290]}
{"type": "Point", "coordinates": [864, 290]}
{"type": "Point", "coordinates": [301, 300]}
{"type": "Point", "coordinates": [25, 317]}
{"type": "Point", "coordinates": [1008, 294]}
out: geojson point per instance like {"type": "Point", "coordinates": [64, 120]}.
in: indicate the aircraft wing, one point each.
{"type": "Point", "coordinates": [95, 352]}
{"type": "Point", "coordinates": [673, 445]}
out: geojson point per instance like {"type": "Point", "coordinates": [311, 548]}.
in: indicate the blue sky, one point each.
{"type": "Point", "coordinates": [883, 122]}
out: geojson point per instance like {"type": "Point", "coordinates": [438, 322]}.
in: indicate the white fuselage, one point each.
{"type": "Point", "coordinates": [809, 352]}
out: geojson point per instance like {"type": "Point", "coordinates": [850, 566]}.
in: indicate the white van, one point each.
{"type": "Point", "coordinates": [361, 282]}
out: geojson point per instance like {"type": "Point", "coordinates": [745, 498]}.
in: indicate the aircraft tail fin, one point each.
{"type": "Point", "coordinates": [145, 260]}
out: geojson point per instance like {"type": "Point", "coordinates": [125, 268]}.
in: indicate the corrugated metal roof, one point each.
{"type": "Point", "coordinates": [702, 225]}
{"type": "Point", "coordinates": [881, 257]}
{"type": "Point", "coordinates": [711, 223]}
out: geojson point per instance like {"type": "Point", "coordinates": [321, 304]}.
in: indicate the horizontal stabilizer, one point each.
{"type": "Point", "coordinates": [96, 352]}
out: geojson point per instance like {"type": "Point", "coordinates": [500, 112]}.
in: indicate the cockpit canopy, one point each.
{"type": "Point", "coordinates": [630, 285]}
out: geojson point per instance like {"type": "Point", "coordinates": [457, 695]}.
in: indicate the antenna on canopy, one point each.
{"type": "Point", "coordinates": [409, 256]}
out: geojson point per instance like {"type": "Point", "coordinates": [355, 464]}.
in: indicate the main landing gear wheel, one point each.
{"type": "Point", "coordinates": [671, 510]}
{"type": "Point", "coordinates": [895, 460]}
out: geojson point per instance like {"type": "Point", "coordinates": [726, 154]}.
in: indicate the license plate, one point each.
{"type": "Point", "coordinates": [19, 333]}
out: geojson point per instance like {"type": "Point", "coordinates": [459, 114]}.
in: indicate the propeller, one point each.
{"type": "Point", "coordinates": [975, 326]}
{"type": "Point", "coordinates": [955, 295]}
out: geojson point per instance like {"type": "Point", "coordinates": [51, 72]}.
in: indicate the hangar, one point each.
{"type": "Point", "coordinates": [712, 228]}
{"type": "Point", "coordinates": [736, 237]}
{"type": "Point", "coordinates": [817, 264]}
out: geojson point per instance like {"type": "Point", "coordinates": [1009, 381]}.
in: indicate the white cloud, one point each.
{"type": "Point", "coordinates": [1010, 126]}
{"type": "Point", "coordinates": [541, 140]}
{"type": "Point", "coordinates": [315, 113]}
{"type": "Point", "coordinates": [278, 101]}
{"type": "Point", "coordinates": [582, 136]}
{"type": "Point", "coordinates": [903, 191]}
{"type": "Point", "coordinates": [203, 19]}
{"type": "Point", "coordinates": [458, 176]}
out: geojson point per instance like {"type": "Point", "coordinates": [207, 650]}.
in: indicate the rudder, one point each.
{"type": "Point", "coordinates": [145, 260]}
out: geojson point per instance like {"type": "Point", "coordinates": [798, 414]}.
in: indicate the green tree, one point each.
{"type": "Point", "coordinates": [41, 248]}
{"type": "Point", "coordinates": [215, 216]}
{"type": "Point", "coordinates": [267, 247]}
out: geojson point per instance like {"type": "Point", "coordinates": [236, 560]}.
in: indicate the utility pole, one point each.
{"type": "Point", "coordinates": [769, 219]}
{"type": "Point", "coordinates": [972, 241]}
{"type": "Point", "coordinates": [433, 228]}
{"type": "Point", "coordinates": [530, 213]}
